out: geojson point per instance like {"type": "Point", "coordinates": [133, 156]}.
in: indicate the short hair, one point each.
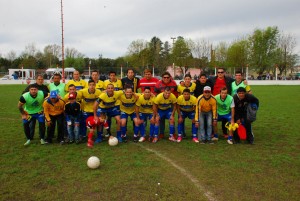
{"type": "Point", "coordinates": [57, 74]}
{"type": "Point", "coordinates": [222, 68]}
{"type": "Point", "coordinates": [38, 75]}
{"type": "Point", "coordinates": [129, 70]}
{"type": "Point", "coordinates": [128, 87]}
{"type": "Point", "coordinates": [241, 89]}
{"type": "Point", "coordinates": [166, 73]}
{"type": "Point", "coordinates": [110, 84]}
{"type": "Point", "coordinates": [188, 75]}
{"type": "Point", "coordinates": [202, 74]}
{"type": "Point", "coordinates": [71, 85]}
{"type": "Point", "coordinates": [147, 71]}
{"type": "Point", "coordinates": [112, 72]}
{"type": "Point", "coordinates": [167, 89]}
{"type": "Point", "coordinates": [147, 88]}
{"type": "Point", "coordinates": [32, 86]}
{"type": "Point", "coordinates": [91, 81]}
{"type": "Point", "coordinates": [186, 90]}
{"type": "Point", "coordinates": [95, 71]}
{"type": "Point", "coordinates": [238, 72]}
{"type": "Point", "coordinates": [223, 89]}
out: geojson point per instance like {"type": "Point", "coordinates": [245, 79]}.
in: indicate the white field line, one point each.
{"type": "Point", "coordinates": [195, 181]}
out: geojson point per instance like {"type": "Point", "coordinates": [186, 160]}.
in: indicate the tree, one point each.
{"type": "Point", "coordinates": [238, 53]}
{"type": "Point", "coordinates": [11, 55]}
{"type": "Point", "coordinates": [181, 54]}
{"type": "Point", "coordinates": [263, 46]}
{"type": "Point", "coordinates": [200, 49]}
{"type": "Point", "coordinates": [220, 54]}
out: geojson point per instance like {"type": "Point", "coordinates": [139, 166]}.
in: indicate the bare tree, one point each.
{"type": "Point", "coordinates": [11, 55]}
{"type": "Point", "coordinates": [30, 50]}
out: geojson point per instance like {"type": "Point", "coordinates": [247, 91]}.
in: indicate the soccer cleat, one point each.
{"type": "Point", "coordinates": [27, 143]}
{"type": "Point", "coordinates": [155, 140]}
{"type": "Point", "coordinates": [62, 142]}
{"type": "Point", "coordinates": [142, 139]}
{"type": "Point", "coordinates": [229, 142]}
{"type": "Point", "coordinates": [71, 141]}
{"type": "Point", "coordinates": [202, 142]}
{"type": "Point", "coordinates": [172, 139]}
{"type": "Point", "coordinates": [135, 138]}
{"type": "Point", "coordinates": [107, 135]}
{"type": "Point", "coordinates": [179, 139]}
{"type": "Point", "coordinates": [120, 139]}
{"type": "Point", "coordinates": [214, 139]}
{"type": "Point", "coordinates": [43, 142]}
{"type": "Point", "coordinates": [77, 141]}
{"type": "Point", "coordinates": [124, 139]}
{"type": "Point", "coordinates": [161, 136]}
{"type": "Point", "coordinates": [98, 140]}
{"type": "Point", "coordinates": [195, 140]}
{"type": "Point", "coordinates": [150, 139]}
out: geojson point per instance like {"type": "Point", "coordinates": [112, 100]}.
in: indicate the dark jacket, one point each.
{"type": "Point", "coordinates": [240, 109]}
{"type": "Point", "coordinates": [134, 83]}
{"type": "Point", "coordinates": [42, 87]}
{"type": "Point", "coordinates": [199, 88]}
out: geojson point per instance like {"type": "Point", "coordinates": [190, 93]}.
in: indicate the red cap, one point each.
{"type": "Point", "coordinates": [72, 96]}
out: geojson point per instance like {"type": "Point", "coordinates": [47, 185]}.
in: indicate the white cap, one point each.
{"type": "Point", "coordinates": [206, 88]}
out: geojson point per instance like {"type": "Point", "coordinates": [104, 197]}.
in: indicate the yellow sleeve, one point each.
{"type": "Point", "coordinates": [197, 109]}
{"type": "Point", "coordinates": [46, 111]}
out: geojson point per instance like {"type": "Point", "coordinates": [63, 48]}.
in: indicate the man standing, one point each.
{"type": "Point", "coordinates": [130, 81]}
{"type": "Point", "coordinates": [206, 110]}
{"type": "Point", "coordinates": [54, 114]}
{"type": "Point", "coordinates": [114, 81]}
{"type": "Point", "coordinates": [95, 77]}
{"type": "Point", "coordinates": [220, 81]}
{"type": "Point", "coordinates": [164, 107]}
{"type": "Point", "coordinates": [200, 84]}
{"type": "Point", "coordinates": [148, 81]}
{"type": "Point", "coordinates": [239, 82]}
{"type": "Point", "coordinates": [79, 83]}
{"type": "Point", "coordinates": [57, 86]}
{"type": "Point", "coordinates": [241, 101]}
{"type": "Point", "coordinates": [32, 111]}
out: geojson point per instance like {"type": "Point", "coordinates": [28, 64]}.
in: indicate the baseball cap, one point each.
{"type": "Point", "coordinates": [53, 94]}
{"type": "Point", "coordinates": [206, 88]}
{"type": "Point", "coordinates": [72, 96]}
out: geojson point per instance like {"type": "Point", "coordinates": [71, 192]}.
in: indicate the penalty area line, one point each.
{"type": "Point", "coordinates": [194, 180]}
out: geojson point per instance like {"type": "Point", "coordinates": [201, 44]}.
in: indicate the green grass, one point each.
{"type": "Point", "coordinates": [269, 170]}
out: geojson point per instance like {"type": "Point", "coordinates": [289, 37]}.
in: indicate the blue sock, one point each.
{"type": "Point", "coordinates": [194, 130]}
{"type": "Point", "coordinates": [229, 137]}
{"type": "Point", "coordinates": [142, 130]}
{"type": "Point", "coordinates": [172, 130]}
{"type": "Point", "coordinates": [118, 134]}
{"type": "Point", "coordinates": [156, 128]}
{"type": "Point", "coordinates": [99, 135]}
{"type": "Point", "coordinates": [179, 128]}
{"type": "Point", "coordinates": [152, 127]}
{"type": "Point", "coordinates": [123, 130]}
{"type": "Point", "coordinates": [216, 135]}
{"type": "Point", "coordinates": [136, 130]}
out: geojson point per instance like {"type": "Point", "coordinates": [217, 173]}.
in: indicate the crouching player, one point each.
{"type": "Point", "coordinates": [164, 108]}
{"type": "Point", "coordinates": [92, 124]}
{"type": "Point", "coordinates": [225, 110]}
{"type": "Point", "coordinates": [108, 104]}
{"type": "Point", "coordinates": [186, 104]}
{"type": "Point", "coordinates": [144, 111]}
{"type": "Point", "coordinates": [72, 114]}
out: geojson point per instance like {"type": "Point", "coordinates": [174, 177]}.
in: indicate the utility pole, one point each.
{"type": "Point", "coordinates": [173, 38]}
{"type": "Point", "coordinates": [62, 43]}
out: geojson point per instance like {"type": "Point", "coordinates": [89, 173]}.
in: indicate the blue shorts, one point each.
{"type": "Point", "coordinates": [165, 113]}
{"type": "Point", "coordinates": [190, 115]}
{"type": "Point", "coordinates": [227, 117]}
{"type": "Point", "coordinates": [110, 112]}
{"type": "Point", "coordinates": [39, 116]}
{"type": "Point", "coordinates": [125, 115]}
{"type": "Point", "coordinates": [145, 116]}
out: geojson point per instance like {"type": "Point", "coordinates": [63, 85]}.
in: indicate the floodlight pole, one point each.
{"type": "Point", "coordinates": [62, 43]}
{"type": "Point", "coordinates": [173, 38]}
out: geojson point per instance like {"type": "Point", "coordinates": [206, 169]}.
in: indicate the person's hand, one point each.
{"type": "Point", "coordinates": [69, 123]}
{"type": "Point", "coordinates": [214, 122]}
{"type": "Point", "coordinates": [49, 123]}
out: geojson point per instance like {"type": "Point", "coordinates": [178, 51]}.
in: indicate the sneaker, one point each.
{"type": "Point", "coordinates": [202, 142]}
{"type": "Point", "coordinates": [179, 139]}
{"type": "Point", "coordinates": [214, 139]}
{"type": "Point", "coordinates": [107, 135]}
{"type": "Point", "coordinates": [195, 140]}
{"type": "Point", "coordinates": [71, 141]}
{"type": "Point", "coordinates": [77, 141]}
{"type": "Point", "coordinates": [229, 142]}
{"type": "Point", "coordinates": [155, 140]}
{"type": "Point", "coordinates": [161, 136]}
{"type": "Point", "coordinates": [210, 142]}
{"type": "Point", "coordinates": [62, 142]}
{"type": "Point", "coordinates": [98, 140]}
{"type": "Point", "coordinates": [124, 139]}
{"type": "Point", "coordinates": [172, 139]}
{"type": "Point", "coordinates": [150, 139]}
{"type": "Point", "coordinates": [184, 136]}
{"type": "Point", "coordinates": [135, 139]}
{"type": "Point", "coordinates": [27, 143]}
{"type": "Point", "coordinates": [142, 139]}
{"type": "Point", "coordinates": [43, 142]}
{"type": "Point", "coordinates": [120, 139]}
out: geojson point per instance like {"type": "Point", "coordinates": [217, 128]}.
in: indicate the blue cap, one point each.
{"type": "Point", "coordinates": [53, 94]}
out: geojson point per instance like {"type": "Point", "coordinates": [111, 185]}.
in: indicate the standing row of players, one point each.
{"type": "Point", "coordinates": [80, 105]}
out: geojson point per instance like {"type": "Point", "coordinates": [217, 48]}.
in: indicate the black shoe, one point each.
{"type": "Point", "coordinates": [135, 139]}
{"type": "Point", "coordinates": [124, 139]}
{"type": "Point", "coordinates": [183, 136]}
{"type": "Point", "coordinates": [77, 141]}
{"type": "Point", "coordinates": [210, 142]}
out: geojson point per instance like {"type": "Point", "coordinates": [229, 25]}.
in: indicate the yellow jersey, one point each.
{"type": "Point", "coordinates": [78, 97]}
{"type": "Point", "coordinates": [100, 85]}
{"type": "Point", "coordinates": [117, 84]}
{"type": "Point", "coordinates": [186, 105]}
{"type": "Point", "coordinates": [127, 105]}
{"type": "Point", "coordinates": [80, 84]}
{"type": "Point", "coordinates": [165, 103]}
{"type": "Point", "coordinates": [192, 88]}
{"type": "Point", "coordinates": [205, 105]}
{"type": "Point", "coordinates": [106, 101]}
{"type": "Point", "coordinates": [88, 99]}
{"type": "Point", "coordinates": [145, 105]}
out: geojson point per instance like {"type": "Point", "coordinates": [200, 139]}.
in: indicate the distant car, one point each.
{"type": "Point", "coordinates": [7, 77]}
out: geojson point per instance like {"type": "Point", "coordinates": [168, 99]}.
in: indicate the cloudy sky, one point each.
{"type": "Point", "coordinates": [107, 27]}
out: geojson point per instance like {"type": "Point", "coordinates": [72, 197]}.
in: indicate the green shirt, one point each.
{"type": "Point", "coordinates": [224, 106]}
{"type": "Point", "coordinates": [235, 86]}
{"type": "Point", "coordinates": [59, 88]}
{"type": "Point", "coordinates": [33, 105]}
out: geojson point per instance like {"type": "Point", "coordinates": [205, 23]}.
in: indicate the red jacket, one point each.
{"type": "Point", "coordinates": [160, 87]}
{"type": "Point", "coordinates": [148, 83]}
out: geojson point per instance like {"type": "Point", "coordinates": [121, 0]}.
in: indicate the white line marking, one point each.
{"type": "Point", "coordinates": [195, 181]}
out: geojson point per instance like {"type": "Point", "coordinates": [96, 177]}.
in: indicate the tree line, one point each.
{"type": "Point", "coordinates": [262, 51]}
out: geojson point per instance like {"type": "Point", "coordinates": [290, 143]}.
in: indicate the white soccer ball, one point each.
{"type": "Point", "coordinates": [113, 141]}
{"type": "Point", "coordinates": [93, 162]}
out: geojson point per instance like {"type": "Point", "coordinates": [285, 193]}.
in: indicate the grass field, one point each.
{"type": "Point", "coordinates": [269, 170]}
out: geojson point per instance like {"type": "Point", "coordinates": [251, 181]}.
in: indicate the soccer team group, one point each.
{"type": "Point", "coordinates": [78, 109]}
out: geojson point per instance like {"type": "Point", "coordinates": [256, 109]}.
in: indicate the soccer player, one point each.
{"type": "Point", "coordinates": [32, 111]}
{"type": "Point", "coordinates": [72, 114]}
{"type": "Point", "coordinates": [225, 110]}
{"type": "Point", "coordinates": [200, 84]}
{"type": "Point", "coordinates": [164, 108]}
{"type": "Point", "coordinates": [114, 81]}
{"type": "Point", "coordinates": [186, 104]}
{"type": "Point", "coordinates": [109, 104]}
{"type": "Point", "coordinates": [127, 107]}
{"type": "Point", "coordinates": [88, 98]}
{"type": "Point", "coordinates": [72, 89]}
{"type": "Point", "coordinates": [206, 110]}
{"type": "Point", "coordinates": [57, 86]}
{"type": "Point", "coordinates": [79, 83]}
{"type": "Point", "coordinates": [239, 82]}
{"type": "Point", "coordinates": [220, 81]}
{"type": "Point", "coordinates": [54, 114]}
{"type": "Point", "coordinates": [241, 101]}
{"type": "Point", "coordinates": [99, 83]}
{"type": "Point", "coordinates": [144, 111]}
{"type": "Point", "coordinates": [188, 84]}
{"type": "Point", "coordinates": [148, 81]}
{"type": "Point", "coordinates": [93, 124]}
{"type": "Point", "coordinates": [131, 81]}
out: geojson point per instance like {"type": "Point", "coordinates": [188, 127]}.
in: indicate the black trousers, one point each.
{"type": "Point", "coordinates": [59, 121]}
{"type": "Point", "coordinates": [29, 129]}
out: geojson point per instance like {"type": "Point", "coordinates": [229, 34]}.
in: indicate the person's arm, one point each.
{"type": "Point", "coordinates": [95, 107]}
{"type": "Point", "coordinates": [179, 114]}
{"type": "Point", "coordinates": [197, 113]}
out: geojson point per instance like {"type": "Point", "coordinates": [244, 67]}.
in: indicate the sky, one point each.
{"type": "Point", "coordinates": [107, 27]}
